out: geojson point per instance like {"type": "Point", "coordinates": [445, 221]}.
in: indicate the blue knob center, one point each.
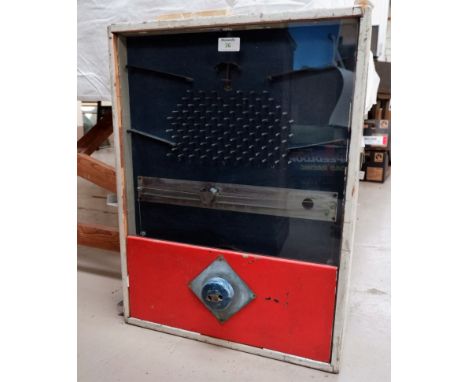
{"type": "Point", "coordinates": [217, 293]}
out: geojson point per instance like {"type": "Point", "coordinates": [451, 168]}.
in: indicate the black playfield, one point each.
{"type": "Point", "coordinates": [240, 138]}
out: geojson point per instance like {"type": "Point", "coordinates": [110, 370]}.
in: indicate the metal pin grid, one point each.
{"type": "Point", "coordinates": [230, 129]}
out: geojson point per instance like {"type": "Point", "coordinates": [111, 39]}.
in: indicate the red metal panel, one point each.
{"type": "Point", "coordinates": [292, 313]}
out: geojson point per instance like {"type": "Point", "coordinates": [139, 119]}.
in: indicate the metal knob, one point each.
{"type": "Point", "coordinates": [217, 293]}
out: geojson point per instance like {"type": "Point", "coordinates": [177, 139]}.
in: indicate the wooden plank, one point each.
{"type": "Point", "coordinates": [117, 47]}
{"type": "Point", "coordinates": [191, 15]}
{"type": "Point", "coordinates": [388, 114]}
{"type": "Point", "coordinates": [91, 141]}
{"type": "Point", "coordinates": [352, 186]}
{"type": "Point", "coordinates": [383, 96]}
{"type": "Point", "coordinates": [99, 237]}
{"type": "Point", "coordinates": [96, 172]}
{"type": "Point", "coordinates": [198, 23]}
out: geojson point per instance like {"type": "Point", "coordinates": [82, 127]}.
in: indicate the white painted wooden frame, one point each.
{"type": "Point", "coordinates": [121, 119]}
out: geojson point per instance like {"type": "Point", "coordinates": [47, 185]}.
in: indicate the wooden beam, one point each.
{"type": "Point", "coordinates": [91, 141]}
{"type": "Point", "coordinates": [385, 96]}
{"type": "Point", "coordinates": [97, 172]}
{"type": "Point", "coordinates": [98, 236]}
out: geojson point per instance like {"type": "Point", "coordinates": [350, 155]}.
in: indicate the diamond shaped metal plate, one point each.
{"type": "Point", "coordinates": [242, 293]}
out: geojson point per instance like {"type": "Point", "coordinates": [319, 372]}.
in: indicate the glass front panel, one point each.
{"type": "Point", "coordinates": [240, 139]}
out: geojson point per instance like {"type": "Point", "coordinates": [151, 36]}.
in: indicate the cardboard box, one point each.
{"type": "Point", "coordinates": [376, 166]}
{"type": "Point", "coordinates": [377, 134]}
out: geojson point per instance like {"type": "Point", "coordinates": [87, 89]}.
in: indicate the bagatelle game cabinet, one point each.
{"type": "Point", "coordinates": [237, 144]}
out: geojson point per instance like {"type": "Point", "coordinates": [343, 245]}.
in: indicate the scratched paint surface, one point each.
{"type": "Point", "coordinates": [292, 313]}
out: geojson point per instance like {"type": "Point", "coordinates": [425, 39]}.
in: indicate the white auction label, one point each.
{"type": "Point", "coordinates": [380, 140]}
{"type": "Point", "coordinates": [229, 44]}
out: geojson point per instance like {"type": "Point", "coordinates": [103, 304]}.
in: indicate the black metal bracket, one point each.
{"type": "Point", "coordinates": [307, 146]}
{"type": "Point", "coordinates": [228, 66]}
{"type": "Point", "coordinates": [151, 136]}
{"type": "Point", "coordinates": [161, 73]}
{"type": "Point", "coordinates": [273, 77]}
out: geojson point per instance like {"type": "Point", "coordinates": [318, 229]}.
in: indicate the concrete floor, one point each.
{"type": "Point", "coordinates": [110, 350]}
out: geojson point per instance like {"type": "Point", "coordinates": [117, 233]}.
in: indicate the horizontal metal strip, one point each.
{"type": "Point", "coordinates": [303, 204]}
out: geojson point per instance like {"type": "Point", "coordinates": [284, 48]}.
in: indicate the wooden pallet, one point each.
{"type": "Point", "coordinates": [381, 110]}
{"type": "Point", "coordinates": [100, 174]}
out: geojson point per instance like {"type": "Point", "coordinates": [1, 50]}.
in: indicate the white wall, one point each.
{"type": "Point", "coordinates": [380, 15]}
{"type": "Point", "coordinates": [387, 55]}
